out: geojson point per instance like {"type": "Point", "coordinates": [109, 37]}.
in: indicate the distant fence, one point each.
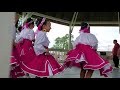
{"type": "Point", "coordinates": [59, 54]}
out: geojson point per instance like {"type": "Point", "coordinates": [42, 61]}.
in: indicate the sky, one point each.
{"type": "Point", "coordinates": [105, 35]}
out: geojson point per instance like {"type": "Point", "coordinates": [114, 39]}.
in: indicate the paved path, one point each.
{"type": "Point", "coordinates": [74, 73]}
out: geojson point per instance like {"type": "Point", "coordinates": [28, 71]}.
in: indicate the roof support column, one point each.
{"type": "Point", "coordinates": [71, 28]}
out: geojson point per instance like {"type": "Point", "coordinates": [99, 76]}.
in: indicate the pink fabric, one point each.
{"type": "Point", "coordinates": [16, 71]}
{"type": "Point", "coordinates": [25, 26]}
{"type": "Point", "coordinates": [26, 47]}
{"type": "Point", "coordinates": [40, 25]}
{"type": "Point", "coordinates": [37, 65]}
{"type": "Point", "coordinates": [14, 57]}
{"type": "Point", "coordinates": [85, 30]}
{"type": "Point", "coordinates": [92, 60]}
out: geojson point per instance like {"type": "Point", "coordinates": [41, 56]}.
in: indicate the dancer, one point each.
{"type": "Point", "coordinates": [84, 54]}
{"type": "Point", "coordinates": [25, 42]}
{"type": "Point", "coordinates": [44, 64]}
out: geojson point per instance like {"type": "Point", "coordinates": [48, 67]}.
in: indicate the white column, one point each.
{"type": "Point", "coordinates": [6, 28]}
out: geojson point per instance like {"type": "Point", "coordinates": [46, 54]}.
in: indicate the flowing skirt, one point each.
{"type": "Point", "coordinates": [90, 59]}
{"type": "Point", "coordinates": [15, 70]}
{"type": "Point", "coordinates": [40, 66]}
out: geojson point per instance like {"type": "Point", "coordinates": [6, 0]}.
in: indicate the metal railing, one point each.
{"type": "Point", "coordinates": [60, 54]}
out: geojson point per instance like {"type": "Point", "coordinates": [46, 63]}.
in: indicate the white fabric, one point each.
{"type": "Point", "coordinates": [82, 58]}
{"type": "Point", "coordinates": [26, 34]}
{"type": "Point", "coordinates": [17, 34]}
{"type": "Point", "coordinates": [50, 70]}
{"type": "Point", "coordinates": [86, 39]}
{"type": "Point", "coordinates": [41, 41]}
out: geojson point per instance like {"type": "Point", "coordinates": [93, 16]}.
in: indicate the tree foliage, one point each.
{"type": "Point", "coordinates": [62, 42]}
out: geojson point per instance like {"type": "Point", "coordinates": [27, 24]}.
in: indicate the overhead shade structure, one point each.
{"type": "Point", "coordinates": [75, 18]}
{"type": "Point", "coordinates": [93, 18]}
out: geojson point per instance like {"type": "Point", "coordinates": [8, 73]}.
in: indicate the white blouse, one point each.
{"type": "Point", "coordinates": [41, 41]}
{"type": "Point", "coordinates": [25, 34]}
{"type": "Point", "coordinates": [86, 39]}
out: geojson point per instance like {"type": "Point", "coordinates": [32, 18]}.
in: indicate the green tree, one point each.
{"type": "Point", "coordinates": [62, 42]}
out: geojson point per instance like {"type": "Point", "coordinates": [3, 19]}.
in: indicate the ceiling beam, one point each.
{"type": "Point", "coordinates": [99, 23]}
{"type": "Point", "coordinates": [50, 17]}
{"type": "Point", "coordinates": [66, 22]}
